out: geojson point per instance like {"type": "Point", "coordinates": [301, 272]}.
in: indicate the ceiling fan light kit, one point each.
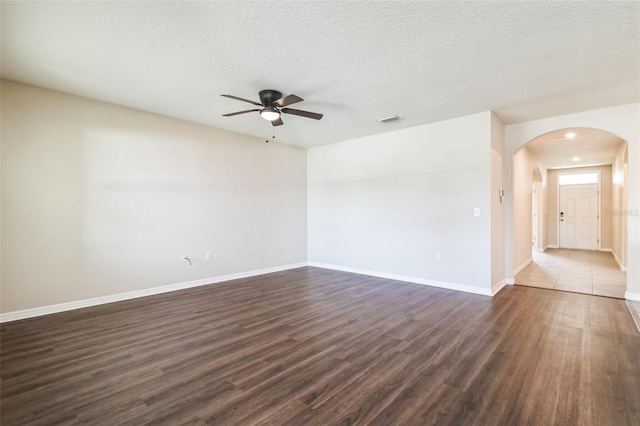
{"type": "Point", "coordinates": [273, 105]}
{"type": "Point", "coordinates": [270, 114]}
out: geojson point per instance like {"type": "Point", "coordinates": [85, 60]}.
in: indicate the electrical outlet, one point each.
{"type": "Point", "coordinates": [476, 211]}
{"type": "Point", "coordinates": [183, 257]}
{"type": "Point", "coordinates": [437, 257]}
{"type": "Point", "coordinates": [207, 255]}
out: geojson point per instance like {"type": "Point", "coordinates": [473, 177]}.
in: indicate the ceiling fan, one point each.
{"type": "Point", "coordinates": [272, 105]}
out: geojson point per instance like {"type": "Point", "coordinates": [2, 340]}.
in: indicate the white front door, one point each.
{"type": "Point", "coordinates": [579, 216]}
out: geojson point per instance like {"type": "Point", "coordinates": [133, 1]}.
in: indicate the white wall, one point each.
{"type": "Point", "coordinates": [543, 216]}
{"type": "Point", "coordinates": [387, 203]}
{"type": "Point", "coordinates": [540, 238]}
{"type": "Point", "coordinates": [624, 121]}
{"type": "Point", "coordinates": [619, 205]}
{"type": "Point", "coordinates": [497, 206]}
{"type": "Point", "coordinates": [524, 163]}
{"type": "Point", "coordinates": [99, 199]}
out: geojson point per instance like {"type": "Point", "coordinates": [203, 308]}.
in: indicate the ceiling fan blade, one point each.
{"type": "Point", "coordinates": [241, 99]}
{"type": "Point", "coordinates": [231, 114]}
{"type": "Point", "coordinates": [288, 100]}
{"type": "Point", "coordinates": [301, 113]}
{"type": "Point", "coordinates": [277, 122]}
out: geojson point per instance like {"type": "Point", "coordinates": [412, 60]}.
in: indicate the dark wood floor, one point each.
{"type": "Point", "coordinates": [319, 347]}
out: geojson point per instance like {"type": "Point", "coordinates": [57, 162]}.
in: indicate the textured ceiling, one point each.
{"type": "Point", "coordinates": [554, 150]}
{"type": "Point", "coordinates": [352, 61]}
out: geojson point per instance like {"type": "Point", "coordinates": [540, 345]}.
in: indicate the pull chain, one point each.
{"type": "Point", "coordinates": [273, 129]}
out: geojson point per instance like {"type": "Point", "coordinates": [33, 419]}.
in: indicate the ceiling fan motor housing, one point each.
{"type": "Point", "coordinates": [268, 97]}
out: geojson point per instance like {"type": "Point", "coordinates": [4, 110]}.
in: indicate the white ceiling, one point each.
{"type": "Point", "coordinates": [555, 150]}
{"type": "Point", "coordinates": [353, 61]}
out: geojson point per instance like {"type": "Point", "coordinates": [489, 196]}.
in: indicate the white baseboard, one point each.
{"type": "Point", "coordinates": [605, 249]}
{"type": "Point", "coordinates": [497, 287]}
{"type": "Point", "coordinates": [619, 262]}
{"type": "Point", "coordinates": [521, 267]}
{"type": "Point", "coordinates": [634, 315]}
{"type": "Point", "coordinates": [632, 296]}
{"type": "Point", "coordinates": [552, 246]}
{"type": "Point", "coordinates": [78, 304]}
{"type": "Point", "coordinates": [510, 281]}
{"type": "Point", "coordinates": [415, 280]}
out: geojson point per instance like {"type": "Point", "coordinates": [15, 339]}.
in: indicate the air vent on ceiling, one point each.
{"type": "Point", "coordinates": [388, 118]}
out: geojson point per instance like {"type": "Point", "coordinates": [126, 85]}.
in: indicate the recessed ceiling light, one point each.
{"type": "Point", "coordinates": [388, 118]}
{"type": "Point", "coordinates": [570, 135]}
{"type": "Point", "coordinates": [576, 158]}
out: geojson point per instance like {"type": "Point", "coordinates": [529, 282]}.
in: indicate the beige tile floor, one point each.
{"type": "Point", "coordinates": [577, 271]}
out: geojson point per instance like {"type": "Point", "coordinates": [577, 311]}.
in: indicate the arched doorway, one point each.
{"type": "Point", "coordinates": [569, 196]}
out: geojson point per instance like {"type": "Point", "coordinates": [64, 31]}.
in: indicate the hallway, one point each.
{"type": "Point", "coordinates": [577, 271]}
